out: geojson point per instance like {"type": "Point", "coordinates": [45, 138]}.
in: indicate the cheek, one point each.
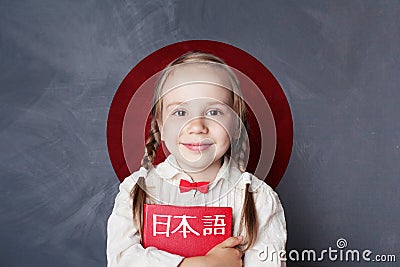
{"type": "Point", "coordinates": [227, 127]}
{"type": "Point", "coordinates": [171, 129]}
{"type": "Point", "coordinates": [170, 123]}
{"type": "Point", "coordinates": [223, 132]}
{"type": "Point", "coordinates": [170, 132]}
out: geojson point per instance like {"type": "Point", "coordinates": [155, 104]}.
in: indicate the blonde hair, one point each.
{"type": "Point", "coordinates": [248, 218]}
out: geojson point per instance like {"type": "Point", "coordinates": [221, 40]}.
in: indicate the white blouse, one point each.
{"type": "Point", "coordinates": [227, 189]}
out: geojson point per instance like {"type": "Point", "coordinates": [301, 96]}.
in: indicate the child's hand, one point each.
{"type": "Point", "coordinates": [225, 253]}
{"type": "Point", "coordinates": [222, 255]}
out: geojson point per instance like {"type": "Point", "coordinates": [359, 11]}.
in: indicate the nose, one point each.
{"type": "Point", "coordinates": [197, 126]}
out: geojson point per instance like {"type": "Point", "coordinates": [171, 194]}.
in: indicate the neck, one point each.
{"type": "Point", "coordinates": [207, 175]}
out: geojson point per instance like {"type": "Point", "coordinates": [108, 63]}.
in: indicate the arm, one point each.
{"type": "Point", "coordinates": [271, 233]}
{"type": "Point", "coordinates": [123, 240]}
{"type": "Point", "coordinates": [224, 254]}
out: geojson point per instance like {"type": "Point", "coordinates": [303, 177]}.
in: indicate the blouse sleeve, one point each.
{"type": "Point", "coordinates": [269, 248]}
{"type": "Point", "coordinates": [123, 240]}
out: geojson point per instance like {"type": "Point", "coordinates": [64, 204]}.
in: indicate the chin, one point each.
{"type": "Point", "coordinates": [194, 165]}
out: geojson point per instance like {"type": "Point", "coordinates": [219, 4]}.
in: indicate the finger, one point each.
{"type": "Point", "coordinates": [232, 242]}
{"type": "Point", "coordinates": [240, 253]}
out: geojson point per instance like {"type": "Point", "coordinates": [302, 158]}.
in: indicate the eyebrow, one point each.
{"type": "Point", "coordinates": [175, 104]}
{"type": "Point", "coordinates": [179, 103]}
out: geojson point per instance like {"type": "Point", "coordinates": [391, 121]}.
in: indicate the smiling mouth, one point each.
{"type": "Point", "coordinates": [197, 146]}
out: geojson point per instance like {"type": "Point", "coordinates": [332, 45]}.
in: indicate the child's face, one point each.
{"type": "Point", "coordinates": [197, 121]}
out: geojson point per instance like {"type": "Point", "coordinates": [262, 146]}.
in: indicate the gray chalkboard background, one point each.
{"type": "Point", "coordinates": [62, 61]}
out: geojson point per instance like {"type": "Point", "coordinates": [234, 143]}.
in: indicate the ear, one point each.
{"type": "Point", "coordinates": [160, 127]}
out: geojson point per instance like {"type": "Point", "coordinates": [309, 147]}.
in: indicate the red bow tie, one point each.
{"type": "Point", "coordinates": [185, 186]}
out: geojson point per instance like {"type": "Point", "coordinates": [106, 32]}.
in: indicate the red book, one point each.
{"type": "Point", "coordinates": [185, 230]}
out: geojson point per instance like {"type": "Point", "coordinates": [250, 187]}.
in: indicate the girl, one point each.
{"type": "Point", "coordinates": [199, 115]}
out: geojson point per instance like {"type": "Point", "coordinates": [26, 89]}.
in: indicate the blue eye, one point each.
{"type": "Point", "coordinates": [213, 112]}
{"type": "Point", "coordinates": [179, 113]}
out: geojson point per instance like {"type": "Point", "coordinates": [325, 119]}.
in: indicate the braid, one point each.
{"type": "Point", "coordinates": [138, 192]}
{"type": "Point", "coordinates": [152, 143]}
{"type": "Point", "coordinates": [248, 217]}
{"type": "Point", "coordinates": [138, 195]}
{"type": "Point", "coordinates": [240, 149]}
{"type": "Point", "coordinates": [241, 155]}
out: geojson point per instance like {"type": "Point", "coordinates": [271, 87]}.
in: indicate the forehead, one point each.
{"type": "Point", "coordinates": [198, 93]}
{"type": "Point", "coordinates": [197, 80]}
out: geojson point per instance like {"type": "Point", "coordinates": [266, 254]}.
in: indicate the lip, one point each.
{"type": "Point", "coordinates": [197, 146]}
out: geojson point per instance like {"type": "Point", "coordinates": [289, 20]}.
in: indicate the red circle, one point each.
{"type": "Point", "coordinates": [235, 58]}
